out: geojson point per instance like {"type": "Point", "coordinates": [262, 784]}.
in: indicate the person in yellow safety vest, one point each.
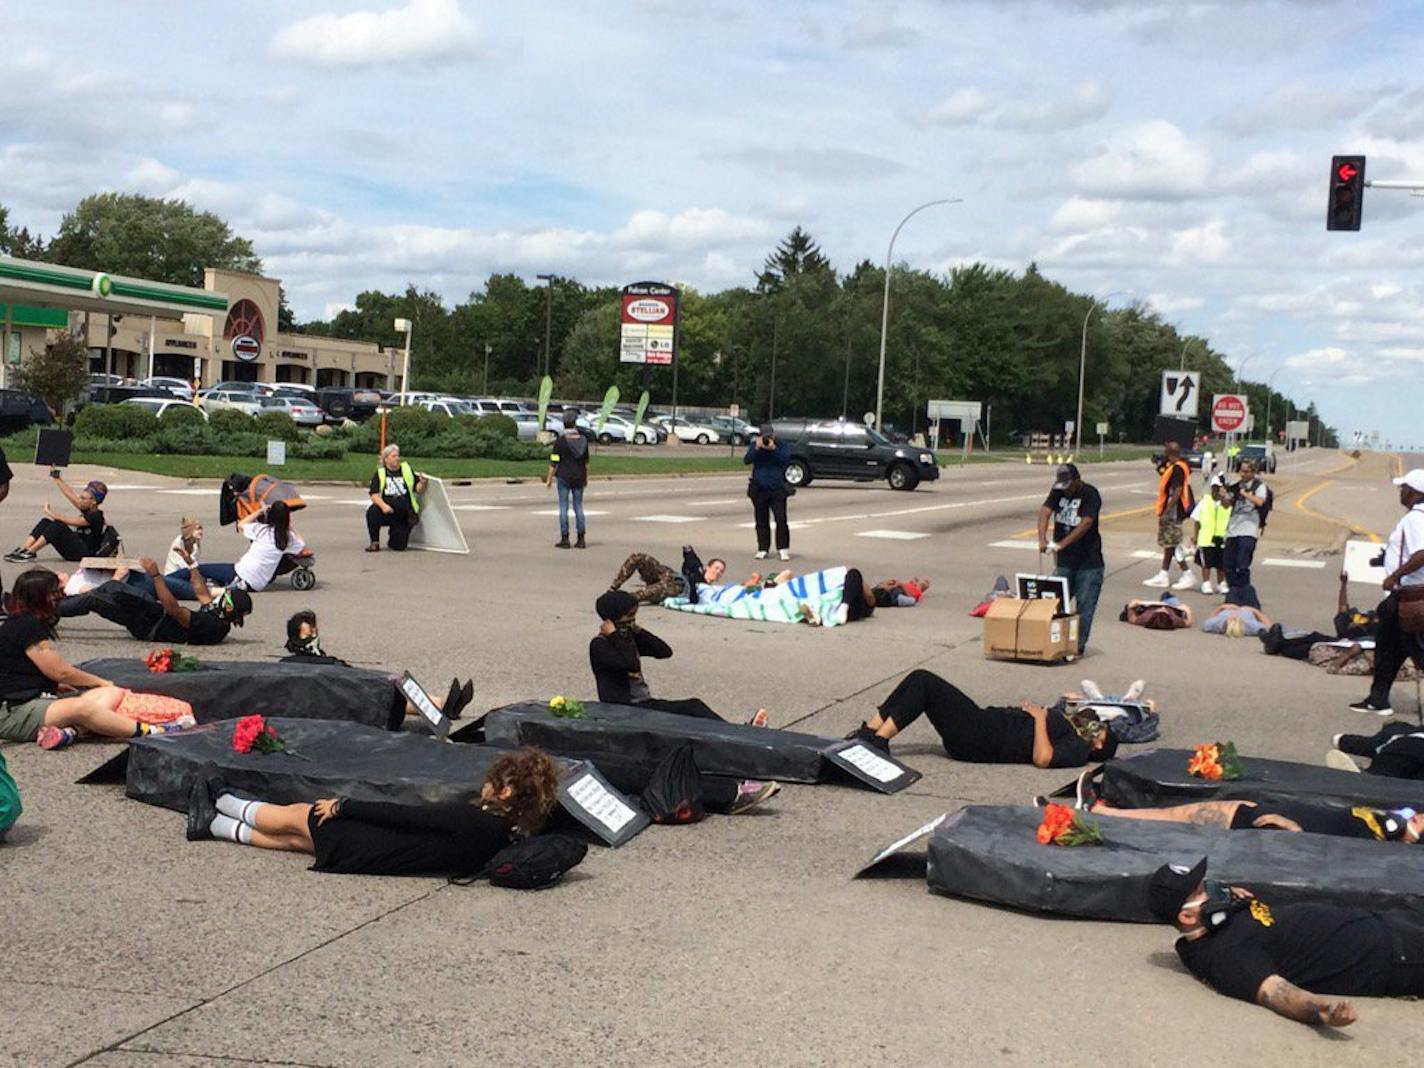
{"type": "Point", "coordinates": [395, 500]}
{"type": "Point", "coordinates": [1210, 517]}
{"type": "Point", "coordinates": [1174, 505]}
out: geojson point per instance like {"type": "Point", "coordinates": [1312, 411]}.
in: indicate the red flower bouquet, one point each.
{"type": "Point", "coordinates": [253, 734]}
{"type": "Point", "coordinates": [1062, 826]}
{"type": "Point", "coordinates": [162, 661]}
{"type": "Point", "coordinates": [1215, 762]}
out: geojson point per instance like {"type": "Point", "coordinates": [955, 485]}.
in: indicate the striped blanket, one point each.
{"type": "Point", "coordinates": [822, 590]}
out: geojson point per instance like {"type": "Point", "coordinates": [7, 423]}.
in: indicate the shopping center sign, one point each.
{"type": "Point", "coordinates": [648, 332]}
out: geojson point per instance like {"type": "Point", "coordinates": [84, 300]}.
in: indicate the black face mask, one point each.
{"type": "Point", "coordinates": [305, 646]}
{"type": "Point", "coordinates": [1220, 905]}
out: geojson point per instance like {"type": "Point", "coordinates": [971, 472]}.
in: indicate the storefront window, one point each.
{"type": "Point", "coordinates": [238, 371]}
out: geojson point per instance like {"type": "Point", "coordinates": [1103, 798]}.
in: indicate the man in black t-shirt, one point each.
{"type": "Point", "coordinates": [1279, 957]}
{"type": "Point", "coordinates": [568, 469]}
{"type": "Point", "coordinates": [1073, 506]}
{"type": "Point", "coordinates": [163, 619]}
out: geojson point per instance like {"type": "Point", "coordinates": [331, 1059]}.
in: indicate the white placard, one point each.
{"type": "Point", "coordinates": [276, 453]}
{"type": "Point", "coordinates": [1358, 555]}
{"type": "Point", "coordinates": [416, 695]}
{"type": "Point", "coordinates": [594, 798]}
{"type": "Point", "coordinates": [877, 767]}
{"type": "Point", "coordinates": [438, 529]}
{"type": "Point", "coordinates": [900, 843]}
{"type": "Point", "coordinates": [1180, 392]}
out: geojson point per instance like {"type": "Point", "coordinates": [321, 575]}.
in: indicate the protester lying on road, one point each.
{"type": "Point", "coordinates": [1349, 622]}
{"type": "Point", "coordinates": [1381, 825]}
{"type": "Point", "coordinates": [162, 618]}
{"type": "Point", "coordinates": [379, 838]}
{"type": "Point", "coordinates": [72, 536]}
{"type": "Point", "coordinates": [1295, 960]}
{"type": "Point", "coordinates": [46, 699]}
{"type": "Point", "coordinates": [1166, 614]}
{"type": "Point", "coordinates": [1237, 621]}
{"type": "Point", "coordinates": [1029, 734]}
{"type": "Point", "coordinates": [661, 582]}
{"type": "Point", "coordinates": [1396, 751]}
{"type": "Point", "coordinates": [615, 653]}
{"type": "Point", "coordinates": [900, 593]}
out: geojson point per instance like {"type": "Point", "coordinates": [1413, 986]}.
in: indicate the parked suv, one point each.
{"type": "Point", "coordinates": [835, 449]}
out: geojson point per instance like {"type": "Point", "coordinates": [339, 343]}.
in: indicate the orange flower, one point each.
{"type": "Point", "coordinates": [1056, 820]}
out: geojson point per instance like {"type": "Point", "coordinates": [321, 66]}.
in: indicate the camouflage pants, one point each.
{"type": "Point", "coordinates": [659, 581]}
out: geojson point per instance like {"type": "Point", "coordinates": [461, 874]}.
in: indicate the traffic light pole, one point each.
{"type": "Point", "coordinates": [1417, 188]}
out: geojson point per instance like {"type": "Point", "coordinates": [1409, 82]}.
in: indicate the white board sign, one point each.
{"type": "Point", "coordinates": [587, 796]}
{"type": "Point", "coordinates": [438, 529]}
{"type": "Point", "coordinates": [1180, 392]}
{"type": "Point", "coordinates": [903, 843]}
{"type": "Point", "coordinates": [416, 695]}
{"type": "Point", "coordinates": [276, 453]}
{"type": "Point", "coordinates": [1358, 567]}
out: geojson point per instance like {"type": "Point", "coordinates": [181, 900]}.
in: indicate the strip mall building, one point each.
{"type": "Point", "coordinates": [225, 331]}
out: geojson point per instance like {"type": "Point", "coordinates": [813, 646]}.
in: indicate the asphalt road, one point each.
{"type": "Point", "coordinates": [737, 940]}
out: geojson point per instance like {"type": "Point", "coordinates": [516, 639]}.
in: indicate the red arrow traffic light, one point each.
{"type": "Point", "coordinates": [1347, 171]}
{"type": "Point", "coordinates": [1346, 194]}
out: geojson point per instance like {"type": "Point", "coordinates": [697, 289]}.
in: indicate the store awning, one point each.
{"type": "Point", "coordinates": [32, 285]}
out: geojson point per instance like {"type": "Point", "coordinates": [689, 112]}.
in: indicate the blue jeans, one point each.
{"type": "Point", "coordinates": [566, 494]}
{"type": "Point", "coordinates": [179, 585]}
{"type": "Point", "coordinates": [1085, 584]}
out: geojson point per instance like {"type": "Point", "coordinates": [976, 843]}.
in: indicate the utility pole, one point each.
{"type": "Point", "coordinates": [771, 396]}
{"type": "Point", "coordinates": [548, 319]}
{"type": "Point", "coordinates": [485, 388]}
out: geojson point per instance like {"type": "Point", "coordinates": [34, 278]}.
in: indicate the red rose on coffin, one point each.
{"type": "Point", "coordinates": [252, 733]}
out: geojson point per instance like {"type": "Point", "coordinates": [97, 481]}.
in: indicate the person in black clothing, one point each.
{"type": "Point", "coordinates": [163, 619]}
{"type": "Point", "coordinates": [568, 466]}
{"type": "Point", "coordinates": [615, 653]}
{"type": "Point", "coordinates": [395, 500]}
{"type": "Point", "coordinates": [1073, 506]}
{"type": "Point", "coordinates": [5, 476]}
{"type": "Point", "coordinates": [1395, 751]}
{"type": "Point", "coordinates": [378, 838]}
{"type": "Point", "coordinates": [1349, 623]}
{"type": "Point", "coordinates": [768, 490]}
{"type": "Point", "coordinates": [1296, 960]}
{"type": "Point", "coordinates": [72, 536]}
{"type": "Point", "coordinates": [1029, 734]}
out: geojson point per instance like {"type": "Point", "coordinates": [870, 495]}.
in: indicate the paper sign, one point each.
{"type": "Point", "coordinates": [901, 843]}
{"type": "Point", "coordinates": [1047, 587]}
{"type": "Point", "coordinates": [52, 447]}
{"type": "Point", "coordinates": [416, 695]}
{"type": "Point", "coordinates": [1358, 555]}
{"type": "Point", "coordinates": [276, 453]}
{"type": "Point", "coordinates": [599, 807]}
{"type": "Point", "coordinates": [870, 767]}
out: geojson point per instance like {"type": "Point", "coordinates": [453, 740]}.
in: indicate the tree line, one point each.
{"type": "Point", "coordinates": [801, 339]}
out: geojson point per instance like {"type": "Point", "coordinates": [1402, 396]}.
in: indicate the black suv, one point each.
{"type": "Point", "coordinates": [836, 449]}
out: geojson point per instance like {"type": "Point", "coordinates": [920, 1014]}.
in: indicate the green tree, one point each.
{"type": "Point", "coordinates": [57, 372]}
{"type": "Point", "coordinates": [19, 243]}
{"type": "Point", "coordinates": [798, 254]}
{"type": "Point", "coordinates": [162, 240]}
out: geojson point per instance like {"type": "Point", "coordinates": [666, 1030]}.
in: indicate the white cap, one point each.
{"type": "Point", "coordinates": [1413, 479]}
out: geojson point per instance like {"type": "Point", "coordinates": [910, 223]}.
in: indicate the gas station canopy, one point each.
{"type": "Point", "coordinates": [32, 285]}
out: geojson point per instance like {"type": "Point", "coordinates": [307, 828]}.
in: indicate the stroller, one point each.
{"type": "Point", "coordinates": [243, 495]}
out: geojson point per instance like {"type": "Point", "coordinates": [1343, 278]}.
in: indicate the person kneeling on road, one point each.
{"type": "Point", "coordinates": [1029, 734]}
{"type": "Point", "coordinates": [1296, 960]}
{"type": "Point", "coordinates": [395, 500]}
{"type": "Point", "coordinates": [1074, 506]}
{"type": "Point", "coordinates": [163, 619]}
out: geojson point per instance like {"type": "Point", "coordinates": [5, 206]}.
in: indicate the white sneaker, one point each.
{"type": "Point", "coordinates": [785, 554]}
{"type": "Point", "coordinates": [1207, 588]}
{"type": "Point", "coordinates": [761, 554]}
{"type": "Point", "coordinates": [1161, 580]}
{"type": "Point", "coordinates": [1340, 761]}
{"type": "Point", "coordinates": [842, 614]}
{"type": "Point", "coordinates": [1135, 690]}
{"type": "Point", "coordinates": [1186, 582]}
{"type": "Point", "coordinates": [1090, 689]}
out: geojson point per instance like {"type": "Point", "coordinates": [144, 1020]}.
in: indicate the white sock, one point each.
{"type": "Point", "coordinates": [238, 809]}
{"type": "Point", "coordinates": [230, 829]}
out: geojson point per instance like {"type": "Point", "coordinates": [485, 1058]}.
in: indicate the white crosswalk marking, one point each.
{"type": "Point", "coordinates": [892, 535]}
{"type": "Point", "coordinates": [1030, 545]}
{"type": "Point", "coordinates": [1147, 554]}
{"type": "Point", "coordinates": [1276, 561]}
{"type": "Point", "coordinates": [479, 507]}
{"type": "Point", "coordinates": [667, 519]}
{"type": "Point", "coordinates": [705, 504]}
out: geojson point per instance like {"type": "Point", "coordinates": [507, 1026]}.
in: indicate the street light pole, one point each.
{"type": "Point", "coordinates": [1083, 366]}
{"type": "Point", "coordinates": [548, 319]}
{"type": "Point", "coordinates": [488, 348]}
{"type": "Point", "coordinates": [1183, 365]}
{"type": "Point", "coordinates": [405, 325]}
{"type": "Point", "coordinates": [1269, 390]}
{"type": "Point", "coordinates": [885, 302]}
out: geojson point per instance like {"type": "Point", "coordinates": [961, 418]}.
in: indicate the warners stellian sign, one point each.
{"type": "Point", "coordinates": [649, 324]}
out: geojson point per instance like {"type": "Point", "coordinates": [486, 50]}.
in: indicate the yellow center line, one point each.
{"type": "Point", "coordinates": [1324, 484]}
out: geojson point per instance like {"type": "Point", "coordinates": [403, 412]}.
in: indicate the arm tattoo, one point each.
{"type": "Point", "coordinates": [1211, 813]}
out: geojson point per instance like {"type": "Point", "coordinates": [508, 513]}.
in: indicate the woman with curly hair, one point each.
{"type": "Point", "coordinates": [380, 838]}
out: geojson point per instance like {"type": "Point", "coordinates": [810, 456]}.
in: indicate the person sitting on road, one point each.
{"type": "Point", "coordinates": [356, 837]}
{"type": "Point", "coordinates": [45, 698]}
{"type": "Point", "coordinates": [186, 547]}
{"type": "Point", "coordinates": [1029, 734]}
{"type": "Point", "coordinates": [615, 654]}
{"type": "Point", "coordinates": [1352, 624]}
{"type": "Point", "coordinates": [660, 581]}
{"type": "Point", "coordinates": [1237, 621]}
{"type": "Point", "coordinates": [273, 541]}
{"type": "Point", "coordinates": [1296, 960]}
{"type": "Point", "coordinates": [1375, 824]}
{"type": "Point", "coordinates": [162, 618]}
{"type": "Point", "coordinates": [395, 500]}
{"type": "Point", "coordinates": [72, 536]}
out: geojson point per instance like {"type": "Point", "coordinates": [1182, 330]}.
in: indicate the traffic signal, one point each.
{"type": "Point", "coordinates": [1347, 193]}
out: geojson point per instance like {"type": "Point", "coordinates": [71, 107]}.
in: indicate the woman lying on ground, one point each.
{"type": "Point", "coordinates": [380, 838]}
{"type": "Point", "coordinates": [1237, 621]}
{"type": "Point", "coordinates": [1396, 751]}
{"type": "Point", "coordinates": [1029, 734]}
{"type": "Point", "coordinates": [1384, 825]}
{"type": "Point", "coordinates": [33, 676]}
{"type": "Point", "coordinates": [660, 581]}
{"type": "Point", "coordinates": [72, 536]}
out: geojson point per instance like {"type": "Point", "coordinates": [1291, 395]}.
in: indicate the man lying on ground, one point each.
{"type": "Point", "coordinates": [163, 618]}
{"type": "Point", "coordinates": [1350, 623]}
{"type": "Point", "coordinates": [1395, 751]}
{"type": "Point", "coordinates": [1029, 734]}
{"type": "Point", "coordinates": [1295, 960]}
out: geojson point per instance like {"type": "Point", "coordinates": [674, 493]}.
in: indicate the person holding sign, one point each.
{"type": "Point", "coordinates": [72, 536]}
{"type": "Point", "coordinates": [1028, 734]}
{"type": "Point", "coordinates": [568, 465]}
{"type": "Point", "coordinates": [395, 501]}
{"type": "Point", "coordinates": [1074, 506]}
{"type": "Point", "coordinates": [379, 838]}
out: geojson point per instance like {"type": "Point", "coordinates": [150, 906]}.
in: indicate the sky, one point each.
{"type": "Point", "coordinates": [1173, 153]}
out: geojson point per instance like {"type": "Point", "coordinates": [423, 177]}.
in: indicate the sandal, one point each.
{"type": "Point", "coordinates": [759, 719]}
{"type": "Point", "coordinates": [56, 737]}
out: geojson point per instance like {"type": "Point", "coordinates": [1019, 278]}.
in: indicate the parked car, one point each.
{"type": "Point", "coordinates": [176, 386]}
{"type": "Point", "coordinates": [621, 428]}
{"type": "Point", "coordinates": [237, 386]}
{"type": "Point", "coordinates": [835, 449]}
{"type": "Point", "coordinates": [450, 406]}
{"type": "Point", "coordinates": [1263, 456]}
{"type": "Point", "coordinates": [340, 403]}
{"type": "Point", "coordinates": [689, 430]}
{"type": "Point", "coordinates": [738, 430]}
{"type": "Point", "coordinates": [303, 412]}
{"type": "Point", "coordinates": [117, 394]}
{"type": "Point", "coordinates": [159, 405]}
{"type": "Point", "coordinates": [243, 401]}
{"type": "Point", "coordinates": [554, 420]}
{"type": "Point", "coordinates": [109, 380]}
{"type": "Point", "coordinates": [20, 410]}
{"type": "Point", "coordinates": [526, 425]}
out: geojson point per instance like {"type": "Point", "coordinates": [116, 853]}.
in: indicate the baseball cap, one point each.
{"type": "Point", "coordinates": [1065, 474]}
{"type": "Point", "coordinates": [766, 430]}
{"type": "Point", "coordinates": [1170, 886]}
{"type": "Point", "coordinates": [1413, 479]}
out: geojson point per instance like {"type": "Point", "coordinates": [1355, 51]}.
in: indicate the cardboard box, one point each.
{"type": "Point", "coordinates": [1029, 630]}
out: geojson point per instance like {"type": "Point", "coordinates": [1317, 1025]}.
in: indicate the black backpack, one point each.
{"type": "Point", "coordinates": [674, 792]}
{"type": "Point", "coordinates": [535, 863]}
{"type": "Point", "coordinates": [1266, 506]}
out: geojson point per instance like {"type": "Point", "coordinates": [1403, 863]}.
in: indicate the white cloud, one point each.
{"type": "Point", "coordinates": [1077, 214]}
{"type": "Point", "coordinates": [1085, 103]}
{"type": "Point", "coordinates": [877, 27]}
{"type": "Point", "coordinates": [963, 107]}
{"type": "Point", "coordinates": [1201, 244]}
{"type": "Point", "coordinates": [1152, 160]}
{"type": "Point", "coordinates": [1169, 304]}
{"type": "Point", "coordinates": [1300, 106]}
{"type": "Point", "coordinates": [819, 164]}
{"type": "Point", "coordinates": [423, 31]}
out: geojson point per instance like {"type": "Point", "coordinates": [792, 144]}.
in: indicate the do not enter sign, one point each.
{"type": "Point", "coordinates": [1228, 413]}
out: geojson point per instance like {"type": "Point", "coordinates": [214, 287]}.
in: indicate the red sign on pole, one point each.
{"type": "Point", "coordinates": [649, 324]}
{"type": "Point", "coordinates": [1228, 413]}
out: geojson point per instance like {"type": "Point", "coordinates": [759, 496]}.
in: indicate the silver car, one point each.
{"type": "Point", "coordinates": [303, 413]}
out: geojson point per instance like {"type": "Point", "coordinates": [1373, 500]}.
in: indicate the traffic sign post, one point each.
{"type": "Point", "coordinates": [1102, 433]}
{"type": "Point", "coordinates": [1228, 413]}
{"type": "Point", "coordinates": [1180, 392]}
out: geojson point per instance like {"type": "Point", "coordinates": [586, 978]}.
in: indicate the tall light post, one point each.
{"type": "Point", "coordinates": [885, 301]}
{"type": "Point", "coordinates": [1241, 367]}
{"type": "Point", "coordinates": [488, 348]}
{"type": "Point", "coordinates": [404, 326]}
{"type": "Point", "coordinates": [1183, 365]}
{"type": "Point", "coordinates": [1270, 386]}
{"type": "Point", "coordinates": [548, 318]}
{"type": "Point", "coordinates": [1083, 366]}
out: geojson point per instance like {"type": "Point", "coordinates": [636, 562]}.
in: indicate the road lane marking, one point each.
{"type": "Point", "coordinates": [668, 518]}
{"type": "Point", "coordinates": [1276, 561]}
{"type": "Point", "coordinates": [702, 504]}
{"type": "Point", "coordinates": [1013, 544]}
{"type": "Point", "coordinates": [893, 535]}
{"type": "Point", "coordinates": [472, 507]}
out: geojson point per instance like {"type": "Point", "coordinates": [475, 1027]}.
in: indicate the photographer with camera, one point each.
{"type": "Point", "coordinates": [768, 490]}
{"type": "Point", "coordinates": [1250, 500]}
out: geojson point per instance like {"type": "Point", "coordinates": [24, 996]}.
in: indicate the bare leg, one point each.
{"type": "Point", "coordinates": [93, 711]}
{"type": "Point", "coordinates": [283, 827]}
{"type": "Point", "coordinates": [1202, 813]}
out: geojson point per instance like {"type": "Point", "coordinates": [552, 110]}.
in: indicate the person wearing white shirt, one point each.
{"type": "Point", "coordinates": [1404, 570]}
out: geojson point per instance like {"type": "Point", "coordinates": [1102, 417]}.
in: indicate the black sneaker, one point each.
{"type": "Point", "coordinates": [1087, 790]}
{"type": "Point", "coordinates": [1370, 705]}
{"type": "Point", "coordinates": [1354, 744]}
{"type": "Point", "coordinates": [1041, 801]}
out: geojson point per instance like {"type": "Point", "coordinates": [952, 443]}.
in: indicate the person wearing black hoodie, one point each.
{"type": "Point", "coordinates": [568, 465]}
